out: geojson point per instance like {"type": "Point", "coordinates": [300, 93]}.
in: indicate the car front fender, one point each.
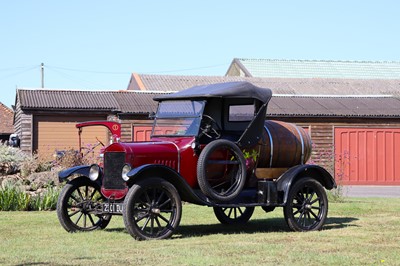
{"type": "Point", "coordinates": [82, 170]}
{"type": "Point", "coordinates": [287, 179]}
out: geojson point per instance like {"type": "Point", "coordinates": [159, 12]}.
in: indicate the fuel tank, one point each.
{"type": "Point", "coordinates": [283, 145]}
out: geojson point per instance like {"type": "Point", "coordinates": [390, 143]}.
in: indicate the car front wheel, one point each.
{"type": "Point", "coordinates": [77, 205]}
{"type": "Point", "coordinates": [152, 209]}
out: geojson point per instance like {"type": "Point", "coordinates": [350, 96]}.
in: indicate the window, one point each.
{"type": "Point", "coordinates": [240, 113]}
{"type": "Point", "coordinates": [178, 118]}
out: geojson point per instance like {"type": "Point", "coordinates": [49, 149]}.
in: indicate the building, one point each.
{"type": "Point", "coordinates": [365, 144]}
{"type": "Point", "coordinates": [6, 122]}
{"type": "Point", "coordinates": [350, 109]}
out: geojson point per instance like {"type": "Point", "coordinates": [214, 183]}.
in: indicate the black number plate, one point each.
{"type": "Point", "coordinates": [113, 207]}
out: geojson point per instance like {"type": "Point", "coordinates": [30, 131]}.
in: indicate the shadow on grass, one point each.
{"type": "Point", "coordinates": [253, 226]}
{"type": "Point", "coordinates": [256, 226]}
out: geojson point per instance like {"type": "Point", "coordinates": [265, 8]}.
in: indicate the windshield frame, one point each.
{"type": "Point", "coordinates": [193, 119]}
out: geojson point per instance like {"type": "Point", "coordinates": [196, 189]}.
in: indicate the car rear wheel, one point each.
{"type": "Point", "coordinates": [221, 170]}
{"type": "Point", "coordinates": [307, 205]}
{"type": "Point", "coordinates": [78, 204]}
{"type": "Point", "coordinates": [152, 209]}
{"type": "Point", "coordinates": [235, 215]}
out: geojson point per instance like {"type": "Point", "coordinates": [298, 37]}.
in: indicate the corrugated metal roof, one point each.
{"type": "Point", "coordinates": [297, 86]}
{"type": "Point", "coordinates": [135, 102]}
{"type": "Point", "coordinates": [114, 101]}
{"type": "Point", "coordinates": [65, 99]}
{"type": "Point", "coordinates": [334, 106]}
{"type": "Point", "coordinates": [277, 68]}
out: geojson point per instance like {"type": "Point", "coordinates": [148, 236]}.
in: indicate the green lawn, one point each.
{"type": "Point", "coordinates": [357, 232]}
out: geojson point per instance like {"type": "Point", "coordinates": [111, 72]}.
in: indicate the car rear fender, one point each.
{"type": "Point", "coordinates": [161, 171]}
{"type": "Point", "coordinates": [287, 179]}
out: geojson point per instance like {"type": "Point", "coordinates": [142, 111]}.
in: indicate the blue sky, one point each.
{"type": "Point", "coordinates": [97, 44]}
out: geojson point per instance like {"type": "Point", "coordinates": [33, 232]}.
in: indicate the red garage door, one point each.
{"type": "Point", "coordinates": [141, 133]}
{"type": "Point", "coordinates": [367, 156]}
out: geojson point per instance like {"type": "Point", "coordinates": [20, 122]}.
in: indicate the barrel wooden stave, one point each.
{"type": "Point", "coordinates": [283, 145]}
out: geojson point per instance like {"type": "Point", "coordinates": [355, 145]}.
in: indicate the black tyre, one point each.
{"type": "Point", "coordinates": [152, 209]}
{"type": "Point", "coordinates": [307, 206]}
{"type": "Point", "coordinates": [235, 215]}
{"type": "Point", "coordinates": [221, 170]}
{"type": "Point", "coordinates": [77, 206]}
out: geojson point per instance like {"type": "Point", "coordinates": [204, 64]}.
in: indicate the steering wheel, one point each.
{"type": "Point", "coordinates": [209, 127]}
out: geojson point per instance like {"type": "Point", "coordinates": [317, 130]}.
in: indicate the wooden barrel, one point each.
{"type": "Point", "coordinates": [284, 145]}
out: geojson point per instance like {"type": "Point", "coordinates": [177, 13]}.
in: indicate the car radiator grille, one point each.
{"type": "Point", "coordinates": [113, 163]}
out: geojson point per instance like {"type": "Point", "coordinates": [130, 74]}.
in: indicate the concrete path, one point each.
{"type": "Point", "coordinates": [372, 191]}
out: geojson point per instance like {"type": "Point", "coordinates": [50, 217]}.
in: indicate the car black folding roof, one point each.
{"type": "Point", "coordinates": [240, 89]}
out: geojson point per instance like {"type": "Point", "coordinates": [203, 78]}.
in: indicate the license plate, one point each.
{"type": "Point", "coordinates": [113, 207]}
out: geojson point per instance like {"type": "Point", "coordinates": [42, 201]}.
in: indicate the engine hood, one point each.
{"type": "Point", "coordinates": [165, 152]}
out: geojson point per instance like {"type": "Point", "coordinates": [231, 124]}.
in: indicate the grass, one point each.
{"type": "Point", "coordinates": [358, 232]}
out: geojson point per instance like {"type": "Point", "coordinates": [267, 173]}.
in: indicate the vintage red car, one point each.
{"type": "Point", "coordinates": [210, 146]}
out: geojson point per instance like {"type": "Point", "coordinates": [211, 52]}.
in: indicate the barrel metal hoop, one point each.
{"type": "Point", "coordinates": [302, 144]}
{"type": "Point", "coordinates": [272, 145]}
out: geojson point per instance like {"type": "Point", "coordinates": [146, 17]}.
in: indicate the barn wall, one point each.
{"type": "Point", "coordinates": [128, 122]}
{"type": "Point", "coordinates": [322, 135]}
{"type": "Point", "coordinates": [54, 132]}
{"type": "Point", "coordinates": [23, 127]}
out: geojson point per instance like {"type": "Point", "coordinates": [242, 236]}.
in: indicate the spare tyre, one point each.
{"type": "Point", "coordinates": [221, 170]}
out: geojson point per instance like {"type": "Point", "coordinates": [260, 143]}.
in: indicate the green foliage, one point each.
{"type": "Point", "coordinates": [12, 198]}
{"type": "Point", "coordinates": [45, 202]}
{"type": "Point", "coordinates": [253, 154]}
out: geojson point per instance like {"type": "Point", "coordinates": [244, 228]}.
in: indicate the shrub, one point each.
{"type": "Point", "coordinates": [11, 159]}
{"type": "Point", "coordinates": [12, 198]}
{"type": "Point", "coordinates": [35, 164]}
{"type": "Point", "coordinates": [45, 202]}
{"type": "Point", "coordinates": [71, 157]}
{"type": "Point", "coordinates": [335, 164]}
{"type": "Point", "coordinates": [68, 158]}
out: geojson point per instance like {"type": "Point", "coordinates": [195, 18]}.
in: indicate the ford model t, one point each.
{"type": "Point", "coordinates": [210, 146]}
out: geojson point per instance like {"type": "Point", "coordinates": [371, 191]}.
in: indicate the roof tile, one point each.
{"type": "Point", "coordinates": [139, 102]}
{"type": "Point", "coordinates": [296, 86]}
{"type": "Point", "coordinates": [275, 68]}
{"type": "Point", "coordinates": [6, 120]}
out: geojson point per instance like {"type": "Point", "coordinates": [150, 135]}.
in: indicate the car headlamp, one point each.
{"type": "Point", "coordinates": [125, 170]}
{"type": "Point", "coordinates": [94, 172]}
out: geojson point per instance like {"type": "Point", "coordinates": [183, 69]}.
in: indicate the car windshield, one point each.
{"type": "Point", "coordinates": [178, 118]}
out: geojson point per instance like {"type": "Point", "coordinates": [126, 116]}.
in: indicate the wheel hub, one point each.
{"type": "Point", "coordinates": [155, 210]}
{"type": "Point", "coordinates": [84, 207]}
